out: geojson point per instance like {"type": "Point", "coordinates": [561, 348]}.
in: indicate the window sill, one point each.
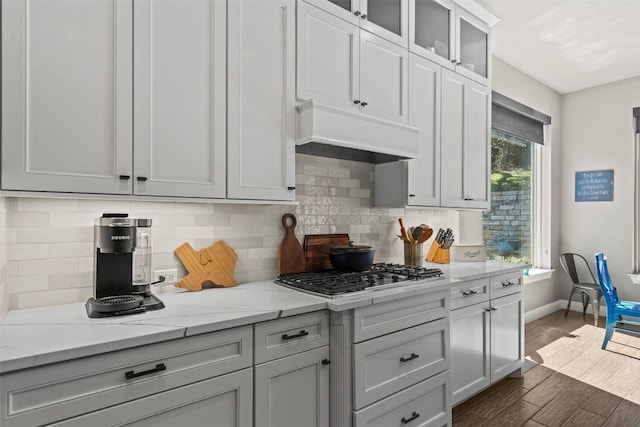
{"type": "Point", "coordinates": [635, 278]}
{"type": "Point", "coordinates": [537, 274]}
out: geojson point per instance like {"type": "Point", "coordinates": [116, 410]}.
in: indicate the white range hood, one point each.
{"type": "Point", "coordinates": [328, 132]}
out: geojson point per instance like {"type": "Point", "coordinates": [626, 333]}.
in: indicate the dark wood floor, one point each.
{"type": "Point", "coordinates": [574, 382]}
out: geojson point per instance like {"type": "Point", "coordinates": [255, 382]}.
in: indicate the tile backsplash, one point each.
{"type": "Point", "coordinates": [46, 244]}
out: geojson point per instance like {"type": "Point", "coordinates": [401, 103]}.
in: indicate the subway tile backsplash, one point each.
{"type": "Point", "coordinates": [46, 245]}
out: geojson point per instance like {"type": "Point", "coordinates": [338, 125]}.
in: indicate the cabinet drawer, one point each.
{"type": "Point", "coordinates": [290, 335]}
{"type": "Point", "coordinates": [388, 364]}
{"type": "Point", "coordinates": [423, 405]}
{"type": "Point", "coordinates": [227, 399]}
{"type": "Point", "coordinates": [380, 319]}
{"type": "Point", "coordinates": [468, 293]}
{"type": "Point", "coordinates": [506, 284]}
{"type": "Point", "coordinates": [62, 390]}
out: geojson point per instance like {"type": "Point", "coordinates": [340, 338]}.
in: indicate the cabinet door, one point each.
{"type": "Point", "coordinates": [464, 142]}
{"type": "Point", "coordinates": [432, 26]}
{"type": "Point", "coordinates": [452, 140]}
{"type": "Point", "coordinates": [67, 96]}
{"type": "Point", "coordinates": [424, 112]}
{"type": "Point", "coordinates": [293, 391]}
{"type": "Point", "coordinates": [179, 50]}
{"type": "Point", "coordinates": [472, 47]}
{"type": "Point", "coordinates": [384, 75]}
{"type": "Point", "coordinates": [470, 347]}
{"type": "Point", "coordinates": [328, 60]}
{"type": "Point", "coordinates": [349, 10]}
{"type": "Point", "coordinates": [223, 401]}
{"type": "Point", "coordinates": [261, 103]}
{"type": "Point", "coordinates": [507, 334]}
{"type": "Point", "coordinates": [388, 19]}
{"type": "Point", "coordinates": [477, 160]}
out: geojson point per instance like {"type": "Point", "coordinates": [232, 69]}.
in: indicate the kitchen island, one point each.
{"type": "Point", "coordinates": [56, 339]}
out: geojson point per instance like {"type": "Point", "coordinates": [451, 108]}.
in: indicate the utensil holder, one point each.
{"type": "Point", "coordinates": [412, 253]}
{"type": "Point", "coordinates": [438, 254]}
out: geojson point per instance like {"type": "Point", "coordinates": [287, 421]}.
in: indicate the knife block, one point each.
{"type": "Point", "coordinates": [438, 254]}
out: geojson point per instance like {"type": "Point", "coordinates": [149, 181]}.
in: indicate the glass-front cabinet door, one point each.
{"type": "Point", "coordinates": [387, 19]}
{"type": "Point", "coordinates": [472, 47]}
{"type": "Point", "coordinates": [431, 30]}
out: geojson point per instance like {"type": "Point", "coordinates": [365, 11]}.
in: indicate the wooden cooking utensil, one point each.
{"type": "Point", "coordinates": [426, 234]}
{"type": "Point", "coordinates": [316, 247]}
{"type": "Point", "coordinates": [291, 255]}
{"type": "Point", "coordinates": [403, 231]}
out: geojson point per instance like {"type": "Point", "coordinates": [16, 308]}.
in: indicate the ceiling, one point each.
{"type": "Point", "coordinates": [568, 44]}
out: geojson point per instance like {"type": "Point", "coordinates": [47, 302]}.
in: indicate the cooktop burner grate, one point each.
{"type": "Point", "coordinates": [335, 283]}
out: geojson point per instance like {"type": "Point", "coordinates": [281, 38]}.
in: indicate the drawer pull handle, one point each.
{"type": "Point", "coordinates": [124, 177]}
{"type": "Point", "coordinates": [298, 335]}
{"type": "Point", "coordinates": [509, 283]}
{"type": "Point", "coordinates": [469, 292]}
{"type": "Point", "coordinates": [159, 368]}
{"type": "Point", "coordinates": [325, 362]}
{"type": "Point", "coordinates": [407, 359]}
{"type": "Point", "coordinates": [408, 420]}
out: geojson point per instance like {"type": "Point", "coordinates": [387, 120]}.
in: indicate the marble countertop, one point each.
{"type": "Point", "coordinates": [46, 335]}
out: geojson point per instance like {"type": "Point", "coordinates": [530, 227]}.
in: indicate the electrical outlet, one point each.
{"type": "Point", "coordinates": [170, 275]}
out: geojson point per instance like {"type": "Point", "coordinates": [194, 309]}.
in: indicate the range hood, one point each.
{"type": "Point", "coordinates": [328, 132]}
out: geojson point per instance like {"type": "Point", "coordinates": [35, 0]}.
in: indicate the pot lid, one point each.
{"type": "Point", "coordinates": [350, 248]}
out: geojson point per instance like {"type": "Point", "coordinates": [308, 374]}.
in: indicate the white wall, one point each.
{"type": "Point", "coordinates": [516, 85]}
{"type": "Point", "coordinates": [598, 134]}
{"type": "Point", "coordinates": [50, 241]}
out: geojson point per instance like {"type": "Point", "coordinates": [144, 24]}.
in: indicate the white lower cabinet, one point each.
{"type": "Point", "coordinates": [486, 337]}
{"type": "Point", "coordinates": [390, 363]}
{"type": "Point", "coordinates": [293, 391]}
{"type": "Point", "coordinates": [425, 404]}
{"type": "Point", "coordinates": [227, 399]}
{"type": "Point", "coordinates": [292, 371]}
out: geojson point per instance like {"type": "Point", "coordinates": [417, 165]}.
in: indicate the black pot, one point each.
{"type": "Point", "coordinates": [351, 258]}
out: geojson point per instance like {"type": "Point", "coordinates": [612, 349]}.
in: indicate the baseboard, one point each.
{"type": "Point", "coordinates": [542, 311]}
{"type": "Point", "coordinates": [577, 306]}
{"type": "Point", "coordinates": [561, 304]}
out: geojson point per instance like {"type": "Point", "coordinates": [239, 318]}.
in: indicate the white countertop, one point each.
{"type": "Point", "coordinates": [45, 335]}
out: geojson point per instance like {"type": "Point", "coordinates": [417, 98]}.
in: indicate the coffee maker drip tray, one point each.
{"type": "Point", "coordinates": [119, 305]}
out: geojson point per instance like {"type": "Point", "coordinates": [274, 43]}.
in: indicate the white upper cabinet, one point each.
{"type": "Point", "coordinates": [328, 58]}
{"type": "Point", "coordinates": [344, 67]}
{"type": "Point", "coordinates": [464, 142]}
{"type": "Point", "coordinates": [416, 182]}
{"type": "Point", "coordinates": [179, 108]}
{"type": "Point", "coordinates": [67, 96]}
{"type": "Point", "coordinates": [385, 18]}
{"type": "Point", "coordinates": [261, 100]}
{"type": "Point", "coordinates": [73, 121]}
{"type": "Point", "coordinates": [448, 34]}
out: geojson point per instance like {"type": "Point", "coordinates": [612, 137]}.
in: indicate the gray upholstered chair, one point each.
{"type": "Point", "coordinates": [585, 285]}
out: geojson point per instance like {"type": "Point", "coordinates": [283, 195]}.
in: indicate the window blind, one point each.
{"type": "Point", "coordinates": [514, 118]}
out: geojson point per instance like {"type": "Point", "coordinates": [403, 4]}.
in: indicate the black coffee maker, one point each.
{"type": "Point", "coordinates": [122, 267]}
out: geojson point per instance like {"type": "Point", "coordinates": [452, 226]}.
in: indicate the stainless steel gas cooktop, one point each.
{"type": "Point", "coordinates": [335, 284]}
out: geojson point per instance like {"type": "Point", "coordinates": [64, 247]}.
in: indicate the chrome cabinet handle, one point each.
{"type": "Point", "coordinates": [357, 13]}
{"type": "Point", "coordinates": [356, 101]}
{"type": "Point", "coordinates": [469, 292]}
{"type": "Point", "coordinates": [364, 104]}
{"type": "Point", "coordinates": [364, 16]}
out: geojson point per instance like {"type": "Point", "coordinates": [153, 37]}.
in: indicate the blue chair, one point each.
{"type": "Point", "coordinates": [618, 312]}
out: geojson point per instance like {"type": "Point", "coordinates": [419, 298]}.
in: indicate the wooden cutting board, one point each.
{"type": "Point", "coordinates": [208, 267]}
{"type": "Point", "coordinates": [316, 247]}
{"type": "Point", "coordinates": [291, 255]}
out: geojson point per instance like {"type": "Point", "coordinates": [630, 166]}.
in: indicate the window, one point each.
{"type": "Point", "coordinates": [516, 226]}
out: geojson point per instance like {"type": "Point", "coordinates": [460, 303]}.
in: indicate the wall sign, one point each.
{"type": "Point", "coordinates": [594, 186]}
